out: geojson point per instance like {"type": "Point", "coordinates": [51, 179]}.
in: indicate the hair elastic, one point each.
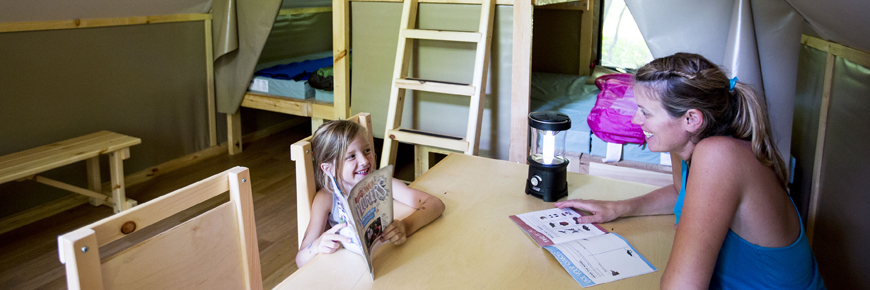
{"type": "Point", "coordinates": [733, 82]}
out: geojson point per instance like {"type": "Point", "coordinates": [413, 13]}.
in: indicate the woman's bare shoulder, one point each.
{"type": "Point", "coordinates": [722, 150]}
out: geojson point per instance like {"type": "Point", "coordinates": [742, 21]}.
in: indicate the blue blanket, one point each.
{"type": "Point", "coordinates": [298, 71]}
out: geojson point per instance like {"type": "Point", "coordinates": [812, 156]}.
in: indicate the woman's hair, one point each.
{"type": "Point", "coordinates": [686, 81]}
{"type": "Point", "coordinates": [329, 144]}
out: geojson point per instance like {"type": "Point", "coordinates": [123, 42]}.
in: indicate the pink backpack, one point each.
{"type": "Point", "coordinates": [610, 118]}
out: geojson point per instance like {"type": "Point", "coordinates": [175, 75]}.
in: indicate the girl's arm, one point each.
{"type": "Point", "coordinates": [713, 195]}
{"type": "Point", "coordinates": [427, 208]}
{"type": "Point", "coordinates": [317, 241]}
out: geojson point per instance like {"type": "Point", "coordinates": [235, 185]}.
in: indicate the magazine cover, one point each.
{"type": "Point", "coordinates": [368, 210]}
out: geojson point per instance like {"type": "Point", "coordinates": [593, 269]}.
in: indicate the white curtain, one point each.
{"type": "Point", "coordinates": [756, 41]}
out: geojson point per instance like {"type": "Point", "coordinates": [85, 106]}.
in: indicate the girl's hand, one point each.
{"type": "Point", "coordinates": [330, 240]}
{"type": "Point", "coordinates": [395, 233]}
{"type": "Point", "coordinates": [602, 211]}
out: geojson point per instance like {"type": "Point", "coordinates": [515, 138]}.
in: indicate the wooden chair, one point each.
{"type": "Point", "coordinates": [214, 250]}
{"type": "Point", "coordinates": [305, 187]}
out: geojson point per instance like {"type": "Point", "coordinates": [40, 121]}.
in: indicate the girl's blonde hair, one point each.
{"type": "Point", "coordinates": [329, 144]}
{"type": "Point", "coordinates": [686, 81]}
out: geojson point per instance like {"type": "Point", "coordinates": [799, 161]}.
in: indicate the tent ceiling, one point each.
{"type": "Point", "coordinates": [843, 22]}
{"type": "Point", "coordinates": [57, 10]}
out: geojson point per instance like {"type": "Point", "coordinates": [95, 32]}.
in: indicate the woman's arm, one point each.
{"type": "Point", "coordinates": [317, 241]}
{"type": "Point", "coordinates": [427, 208]}
{"type": "Point", "coordinates": [713, 194]}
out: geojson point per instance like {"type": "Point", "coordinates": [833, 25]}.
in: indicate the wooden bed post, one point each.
{"type": "Point", "coordinates": [587, 26]}
{"type": "Point", "coordinates": [341, 59]}
{"type": "Point", "coordinates": [521, 77]}
{"type": "Point", "coordinates": [234, 132]}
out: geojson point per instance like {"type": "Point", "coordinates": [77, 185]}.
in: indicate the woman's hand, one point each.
{"type": "Point", "coordinates": [330, 240]}
{"type": "Point", "coordinates": [395, 232]}
{"type": "Point", "coordinates": [602, 211]}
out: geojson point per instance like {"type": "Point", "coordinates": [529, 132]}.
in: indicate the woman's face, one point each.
{"type": "Point", "coordinates": [359, 161]}
{"type": "Point", "coordinates": [663, 133]}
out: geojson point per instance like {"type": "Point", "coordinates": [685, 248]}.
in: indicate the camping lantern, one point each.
{"type": "Point", "coordinates": [547, 164]}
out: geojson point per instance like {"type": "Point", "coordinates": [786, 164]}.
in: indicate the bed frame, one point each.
{"type": "Point", "coordinates": [522, 49]}
{"type": "Point", "coordinates": [317, 110]}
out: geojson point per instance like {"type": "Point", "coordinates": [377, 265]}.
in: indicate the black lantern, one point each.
{"type": "Point", "coordinates": [547, 163]}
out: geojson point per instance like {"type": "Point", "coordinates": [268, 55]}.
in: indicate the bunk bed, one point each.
{"type": "Point", "coordinates": [305, 101]}
{"type": "Point", "coordinates": [522, 84]}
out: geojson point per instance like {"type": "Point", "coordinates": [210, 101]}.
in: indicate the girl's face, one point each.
{"type": "Point", "coordinates": [359, 161]}
{"type": "Point", "coordinates": [663, 133]}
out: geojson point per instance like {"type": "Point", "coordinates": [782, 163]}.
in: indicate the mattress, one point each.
{"type": "Point", "coordinates": [568, 94]}
{"type": "Point", "coordinates": [571, 95]}
{"type": "Point", "coordinates": [275, 78]}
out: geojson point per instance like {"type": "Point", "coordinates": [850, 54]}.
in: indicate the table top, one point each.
{"type": "Point", "coordinates": [474, 245]}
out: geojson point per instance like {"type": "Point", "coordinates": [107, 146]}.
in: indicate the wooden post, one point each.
{"type": "Point", "coordinates": [116, 167]}
{"type": "Point", "coordinates": [242, 200]}
{"type": "Point", "coordinates": [94, 183]}
{"type": "Point", "coordinates": [209, 81]}
{"type": "Point", "coordinates": [234, 134]}
{"type": "Point", "coordinates": [820, 147]}
{"type": "Point", "coordinates": [80, 253]}
{"type": "Point", "coordinates": [586, 35]}
{"type": "Point", "coordinates": [341, 58]}
{"type": "Point", "coordinates": [521, 77]}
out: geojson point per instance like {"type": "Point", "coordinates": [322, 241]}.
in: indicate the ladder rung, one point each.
{"type": "Point", "coordinates": [444, 35]}
{"type": "Point", "coordinates": [435, 86]}
{"type": "Point", "coordinates": [428, 139]}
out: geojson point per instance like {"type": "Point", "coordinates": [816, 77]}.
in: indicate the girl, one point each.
{"type": "Point", "coordinates": [737, 226]}
{"type": "Point", "coordinates": [342, 150]}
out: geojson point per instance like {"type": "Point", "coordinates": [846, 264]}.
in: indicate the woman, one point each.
{"type": "Point", "coordinates": [737, 227]}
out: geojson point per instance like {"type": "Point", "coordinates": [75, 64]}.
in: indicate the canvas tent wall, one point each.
{"type": "Point", "coordinates": [760, 42]}
{"type": "Point", "coordinates": [69, 68]}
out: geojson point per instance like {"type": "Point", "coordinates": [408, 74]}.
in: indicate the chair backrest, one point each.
{"type": "Point", "coordinates": [213, 250]}
{"type": "Point", "coordinates": [630, 174]}
{"type": "Point", "coordinates": [305, 187]}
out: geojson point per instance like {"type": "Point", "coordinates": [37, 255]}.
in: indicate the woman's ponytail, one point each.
{"type": "Point", "coordinates": [751, 123]}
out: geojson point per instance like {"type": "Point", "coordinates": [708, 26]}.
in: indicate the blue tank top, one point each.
{"type": "Point", "coordinates": [743, 265]}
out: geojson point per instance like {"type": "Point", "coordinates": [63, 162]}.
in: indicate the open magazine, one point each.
{"type": "Point", "coordinates": [367, 210]}
{"type": "Point", "coordinates": [589, 253]}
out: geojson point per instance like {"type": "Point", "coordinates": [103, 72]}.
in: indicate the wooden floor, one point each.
{"type": "Point", "coordinates": [28, 255]}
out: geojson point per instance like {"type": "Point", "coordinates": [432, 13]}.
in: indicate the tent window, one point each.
{"type": "Point", "coordinates": [622, 45]}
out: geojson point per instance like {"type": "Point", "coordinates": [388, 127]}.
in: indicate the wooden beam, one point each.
{"type": "Point", "coordinates": [296, 11]}
{"type": "Point", "coordinates": [587, 30]}
{"type": "Point", "coordinates": [341, 59]}
{"type": "Point", "coordinates": [858, 56]}
{"type": "Point", "coordinates": [100, 22]}
{"type": "Point", "coordinates": [521, 78]}
{"type": "Point", "coordinates": [583, 5]}
{"type": "Point", "coordinates": [497, 2]}
{"type": "Point", "coordinates": [818, 165]}
{"type": "Point", "coordinates": [209, 82]}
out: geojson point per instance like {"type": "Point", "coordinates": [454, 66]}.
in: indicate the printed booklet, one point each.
{"type": "Point", "coordinates": [589, 253]}
{"type": "Point", "coordinates": [367, 210]}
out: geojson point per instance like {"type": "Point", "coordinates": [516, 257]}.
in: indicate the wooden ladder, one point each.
{"type": "Point", "coordinates": [476, 90]}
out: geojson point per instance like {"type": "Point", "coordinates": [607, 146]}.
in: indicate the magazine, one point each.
{"type": "Point", "coordinates": [367, 210]}
{"type": "Point", "coordinates": [590, 254]}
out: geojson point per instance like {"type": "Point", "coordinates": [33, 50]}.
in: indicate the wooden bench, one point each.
{"type": "Point", "coordinates": [25, 165]}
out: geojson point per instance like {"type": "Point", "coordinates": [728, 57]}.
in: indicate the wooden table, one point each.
{"type": "Point", "coordinates": [474, 245]}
